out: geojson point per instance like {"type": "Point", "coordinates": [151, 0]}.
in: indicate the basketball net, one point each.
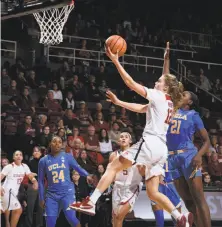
{"type": "Point", "coordinates": [51, 23]}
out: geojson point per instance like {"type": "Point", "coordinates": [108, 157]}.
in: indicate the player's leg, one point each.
{"type": "Point", "coordinates": [121, 213]}
{"type": "Point", "coordinates": [69, 213]}
{"type": "Point", "coordinates": [184, 192]}
{"type": "Point", "coordinates": [122, 162]}
{"type": "Point", "coordinates": [153, 193]}
{"type": "Point", "coordinates": [196, 188]}
{"type": "Point", "coordinates": [158, 210]}
{"type": "Point", "coordinates": [15, 217]}
{"type": "Point", "coordinates": [159, 215]}
{"type": "Point", "coordinates": [171, 193]}
{"type": "Point", "coordinates": [51, 211]}
{"type": "Point", "coordinates": [7, 218]}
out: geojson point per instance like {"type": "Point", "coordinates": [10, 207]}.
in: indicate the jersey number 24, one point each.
{"type": "Point", "coordinates": [58, 176]}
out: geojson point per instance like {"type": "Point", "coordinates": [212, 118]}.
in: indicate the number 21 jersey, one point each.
{"type": "Point", "coordinates": [182, 128]}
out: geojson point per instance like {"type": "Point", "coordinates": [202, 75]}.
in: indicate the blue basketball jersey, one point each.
{"type": "Point", "coordinates": [56, 169]}
{"type": "Point", "coordinates": [182, 128]}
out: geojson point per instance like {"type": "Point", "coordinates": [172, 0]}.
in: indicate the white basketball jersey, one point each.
{"type": "Point", "coordinates": [129, 177]}
{"type": "Point", "coordinates": [14, 176]}
{"type": "Point", "coordinates": [159, 113]}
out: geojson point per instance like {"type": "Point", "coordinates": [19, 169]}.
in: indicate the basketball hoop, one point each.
{"type": "Point", "coordinates": [51, 23]}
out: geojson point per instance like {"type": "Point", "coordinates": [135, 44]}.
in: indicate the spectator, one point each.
{"type": "Point", "coordinates": [69, 120]}
{"type": "Point", "coordinates": [105, 143]}
{"type": "Point", "coordinates": [25, 101]}
{"type": "Point", "coordinates": [27, 132]}
{"type": "Point", "coordinates": [32, 195]}
{"type": "Point", "coordinates": [204, 83]}
{"type": "Point", "coordinates": [51, 104]}
{"type": "Point", "coordinates": [85, 162]}
{"type": "Point", "coordinates": [124, 117]}
{"type": "Point", "coordinates": [81, 191]}
{"type": "Point", "coordinates": [42, 122]}
{"type": "Point", "coordinates": [215, 168]}
{"type": "Point", "coordinates": [99, 109]}
{"type": "Point", "coordinates": [62, 134]}
{"type": "Point", "coordinates": [101, 170]}
{"type": "Point", "coordinates": [114, 133]}
{"type": "Point", "coordinates": [84, 115]}
{"type": "Point", "coordinates": [74, 147]}
{"type": "Point", "coordinates": [4, 162]}
{"type": "Point", "coordinates": [91, 140]}
{"type": "Point", "coordinates": [100, 123]}
{"type": "Point", "coordinates": [76, 135]}
{"type": "Point", "coordinates": [57, 94]}
{"type": "Point", "coordinates": [12, 89]}
{"type": "Point", "coordinates": [5, 80]}
{"type": "Point", "coordinates": [45, 137]}
{"type": "Point", "coordinates": [77, 88]}
{"type": "Point", "coordinates": [69, 102]}
{"type": "Point", "coordinates": [32, 80]}
{"type": "Point", "coordinates": [207, 181]}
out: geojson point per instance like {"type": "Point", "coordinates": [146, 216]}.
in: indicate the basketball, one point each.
{"type": "Point", "coordinates": [116, 42]}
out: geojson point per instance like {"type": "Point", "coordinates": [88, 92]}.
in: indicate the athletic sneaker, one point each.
{"type": "Point", "coordinates": [186, 220]}
{"type": "Point", "coordinates": [86, 207]}
{"type": "Point", "coordinates": [75, 205]}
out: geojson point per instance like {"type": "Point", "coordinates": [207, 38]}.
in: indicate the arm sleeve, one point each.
{"type": "Point", "coordinates": [73, 164]}
{"type": "Point", "coordinates": [41, 175]}
{"type": "Point", "coordinates": [198, 123]}
{"type": "Point", "coordinates": [6, 170]}
{"type": "Point", "coordinates": [27, 169]}
{"type": "Point", "coordinates": [154, 95]}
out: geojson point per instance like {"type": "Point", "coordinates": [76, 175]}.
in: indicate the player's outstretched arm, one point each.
{"type": "Point", "coordinates": [74, 165]}
{"type": "Point", "coordinates": [41, 176]}
{"type": "Point", "coordinates": [166, 63]}
{"type": "Point", "coordinates": [128, 80]}
{"type": "Point", "coordinates": [138, 108]}
{"type": "Point", "coordinates": [197, 160]}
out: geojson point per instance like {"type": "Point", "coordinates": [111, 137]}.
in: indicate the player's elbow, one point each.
{"type": "Point", "coordinates": [130, 83]}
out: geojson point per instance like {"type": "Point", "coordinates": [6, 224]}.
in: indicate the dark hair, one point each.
{"type": "Point", "coordinates": [100, 136]}
{"type": "Point", "coordinates": [195, 102]}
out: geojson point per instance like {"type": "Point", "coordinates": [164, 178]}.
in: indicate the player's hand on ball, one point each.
{"type": "Point", "coordinates": [197, 161]}
{"type": "Point", "coordinates": [113, 57]}
{"type": "Point", "coordinates": [42, 204]}
{"type": "Point", "coordinates": [111, 97]}
{"type": "Point", "coordinates": [167, 51]}
{"type": "Point", "coordinates": [89, 179]}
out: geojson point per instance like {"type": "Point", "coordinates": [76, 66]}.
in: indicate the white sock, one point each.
{"type": "Point", "coordinates": [176, 214]}
{"type": "Point", "coordinates": [95, 196]}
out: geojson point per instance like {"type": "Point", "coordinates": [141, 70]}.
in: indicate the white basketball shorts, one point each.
{"type": "Point", "coordinates": [122, 195]}
{"type": "Point", "coordinates": [151, 152]}
{"type": "Point", "coordinates": [10, 201]}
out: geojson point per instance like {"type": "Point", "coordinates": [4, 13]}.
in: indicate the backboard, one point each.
{"type": "Point", "coordinates": [18, 8]}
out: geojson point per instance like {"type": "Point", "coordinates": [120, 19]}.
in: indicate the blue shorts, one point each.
{"type": "Point", "coordinates": [170, 192]}
{"type": "Point", "coordinates": [54, 204]}
{"type": "Point", "coordinates": [181, 165]}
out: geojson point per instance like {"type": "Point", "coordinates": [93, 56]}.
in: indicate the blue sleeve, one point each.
{"type": "Point", "coordinates": [74, 165]}
{"type": "Point", "coordinates": [41, 176]}
{"type": "Point", "coordinates": [198, 123]}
